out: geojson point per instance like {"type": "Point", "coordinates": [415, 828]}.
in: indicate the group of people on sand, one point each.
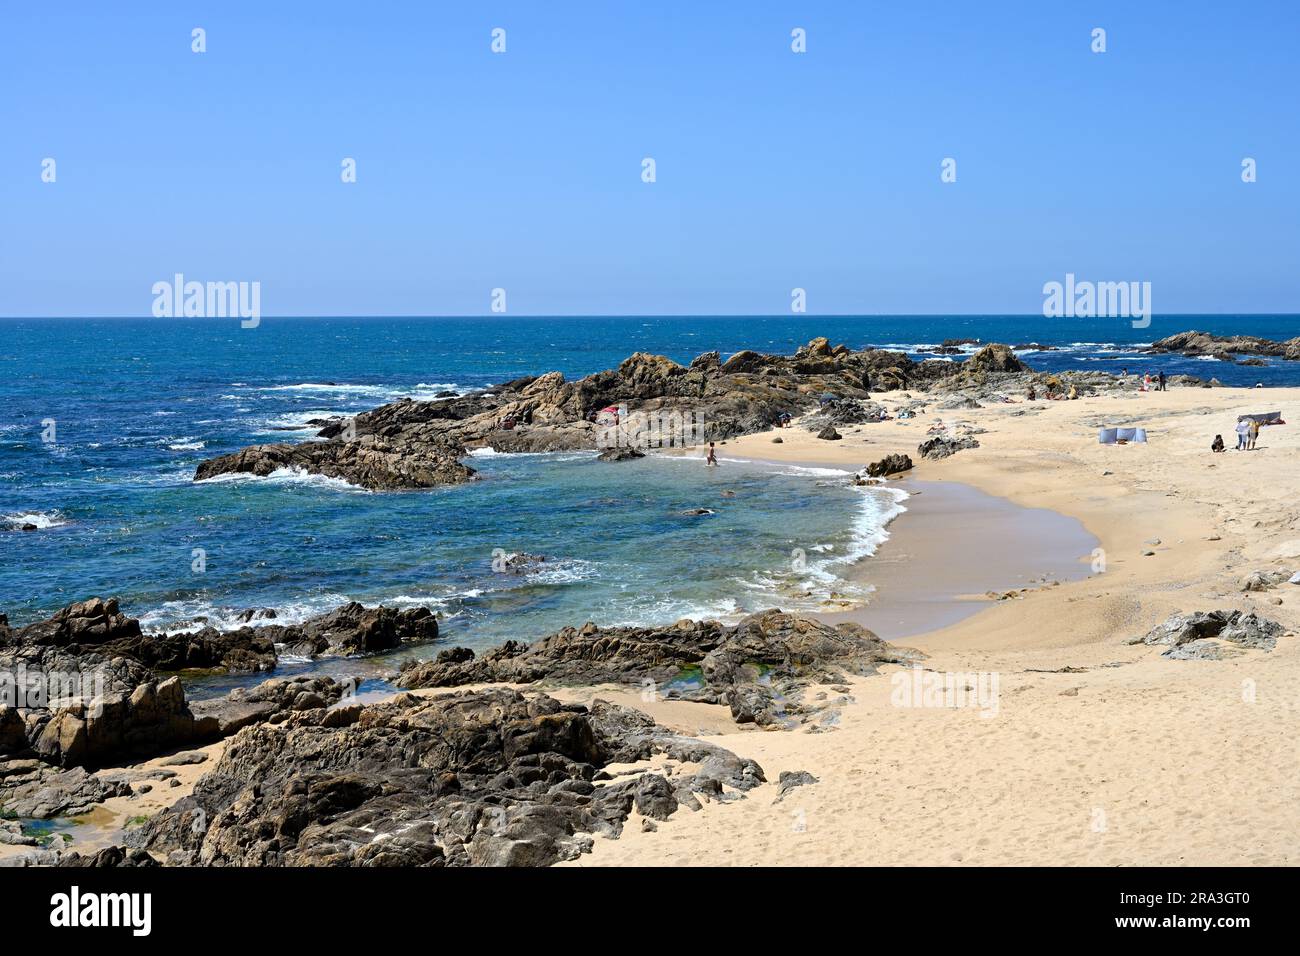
{"type": "Point", "coordinates": [1150, 383]}
{"type": "Point", "coordinates": [1247, 434]}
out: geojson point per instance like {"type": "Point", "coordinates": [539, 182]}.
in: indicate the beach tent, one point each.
{"type": "Point", "coordinates": [1267, 418]}
{"type": "Point", "coordinates": [1109, 436]}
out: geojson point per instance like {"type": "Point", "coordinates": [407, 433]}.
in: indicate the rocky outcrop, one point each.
{"type": "Point", "coordinates": [417, 444]}
{"type": "Point", "coordinates": [1265, 580]}
{"type": "Point", "coordinates": [484, 778]}
{"type": "Point", "coordinates": [889, 465]}
{"type": "Point", "coordinates": [942, 446]}
{"type": "Point", "coordinates": [1206, 635]}
{"type": "Point", "coordinates": [92, 623]}
{"type": "Point", "coordinates": [759, 667]}
{"type": "Point", "coordinates": [98, 626]}
{"type": "Point", "coordinates": [353, 629]}
{"type": "Point", "coordinates": [1227, 347]}
{"type": "Point", "coordinates": [378, 463]}
{"type": "Point", "coordinates": [994, 358]}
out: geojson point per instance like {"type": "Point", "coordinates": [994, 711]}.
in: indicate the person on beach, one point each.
{"type": "Point", "coordinates": [1252, 433]}
{"type": "Point", "coordinates": [1162, 382]}
{"type": "Point", "coordinates": [712, 459]}
{"type": "Point", "coordinates": [1243, 430]}
{"type": "Point", "coordinates": [1217, 445]}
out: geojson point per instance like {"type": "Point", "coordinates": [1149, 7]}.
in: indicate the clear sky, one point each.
{"type": "Point", "coordinates": [523, 170]}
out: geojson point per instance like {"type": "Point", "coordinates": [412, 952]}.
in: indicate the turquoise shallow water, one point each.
{"type": "Point", "coordinates": [136, 404]}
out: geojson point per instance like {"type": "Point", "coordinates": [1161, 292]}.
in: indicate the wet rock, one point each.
{"type": "Point", "coordinates": [619, 454]}
{"type": "Point", "coordinates": [356, 629]}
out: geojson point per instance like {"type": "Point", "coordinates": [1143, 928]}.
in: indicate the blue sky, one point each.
{"type": "Point", "coordinates": [523, 170]}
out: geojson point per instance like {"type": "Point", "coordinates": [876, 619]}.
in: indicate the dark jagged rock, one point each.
{"type": "Point", "coordinates": [485, 778]}
{"type": "Point", "coordinates": [994, 358]}
{"type": "Point", "coordinates": [758, 667]}
{"type": "Point", "coordinates": [790, 779]}
{"type": "Point", "coordinates": [889, 465]}
{"type": "Point", "coordinates": [109, 856]}
{"type": "Point", "coordinates": [92, 623]}
{"type": "Point", "coordinates": [355, 629]}
{"type": "Point", "coordinates": [1227, 346]}
{"type": "Point", "coordinates": [98, 626]}
{"type": "Point", "coordinates": [829, 434]}
{"type": "Point", "coordinates": [379, 463]}
{"type": "Point", "coordinates": [620, 454]}
{"type": "Point", "coordinates": [1200, 635]}
{"type": "Point", "coordinates": [36, 790]}
{"type": "Point", "coordinates": [941, 446]}
{"type": "Point", "coordinates": [271, 700]}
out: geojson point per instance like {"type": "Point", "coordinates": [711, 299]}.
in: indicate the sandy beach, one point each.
{"type": "Point", "coordinates": [1100, 752]}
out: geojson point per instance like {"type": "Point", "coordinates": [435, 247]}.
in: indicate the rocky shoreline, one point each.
{"type": "Point", "coordinates": [311, 776]}
{"type": "Point", "coordinates": [418, 444]}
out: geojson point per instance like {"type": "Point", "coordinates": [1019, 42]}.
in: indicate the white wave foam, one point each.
{"type": "Point", "coordinates": [180, 617]}
{"type": "Point", "coordinates": [41, 519]}
{"type": "Point", "coordinates": [422, 391]}
{"type": "Point", "coordinates": [287, 476]}
{"type": "Point", "coordinates": [187, 446]}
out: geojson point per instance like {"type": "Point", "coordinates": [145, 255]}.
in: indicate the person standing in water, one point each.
{"type": "Point", "coordinates": [712, 459]}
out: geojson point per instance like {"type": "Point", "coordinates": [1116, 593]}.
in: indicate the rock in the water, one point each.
{"type": "Point", "coordinates": [619, 454]}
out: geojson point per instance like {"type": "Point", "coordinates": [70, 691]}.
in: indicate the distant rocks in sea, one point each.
{"type": "Point", "coordinates": [1227, 347]}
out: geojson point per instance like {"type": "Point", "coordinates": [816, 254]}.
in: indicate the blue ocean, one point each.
{"type": "Point", "coordinates": [132, 406]}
